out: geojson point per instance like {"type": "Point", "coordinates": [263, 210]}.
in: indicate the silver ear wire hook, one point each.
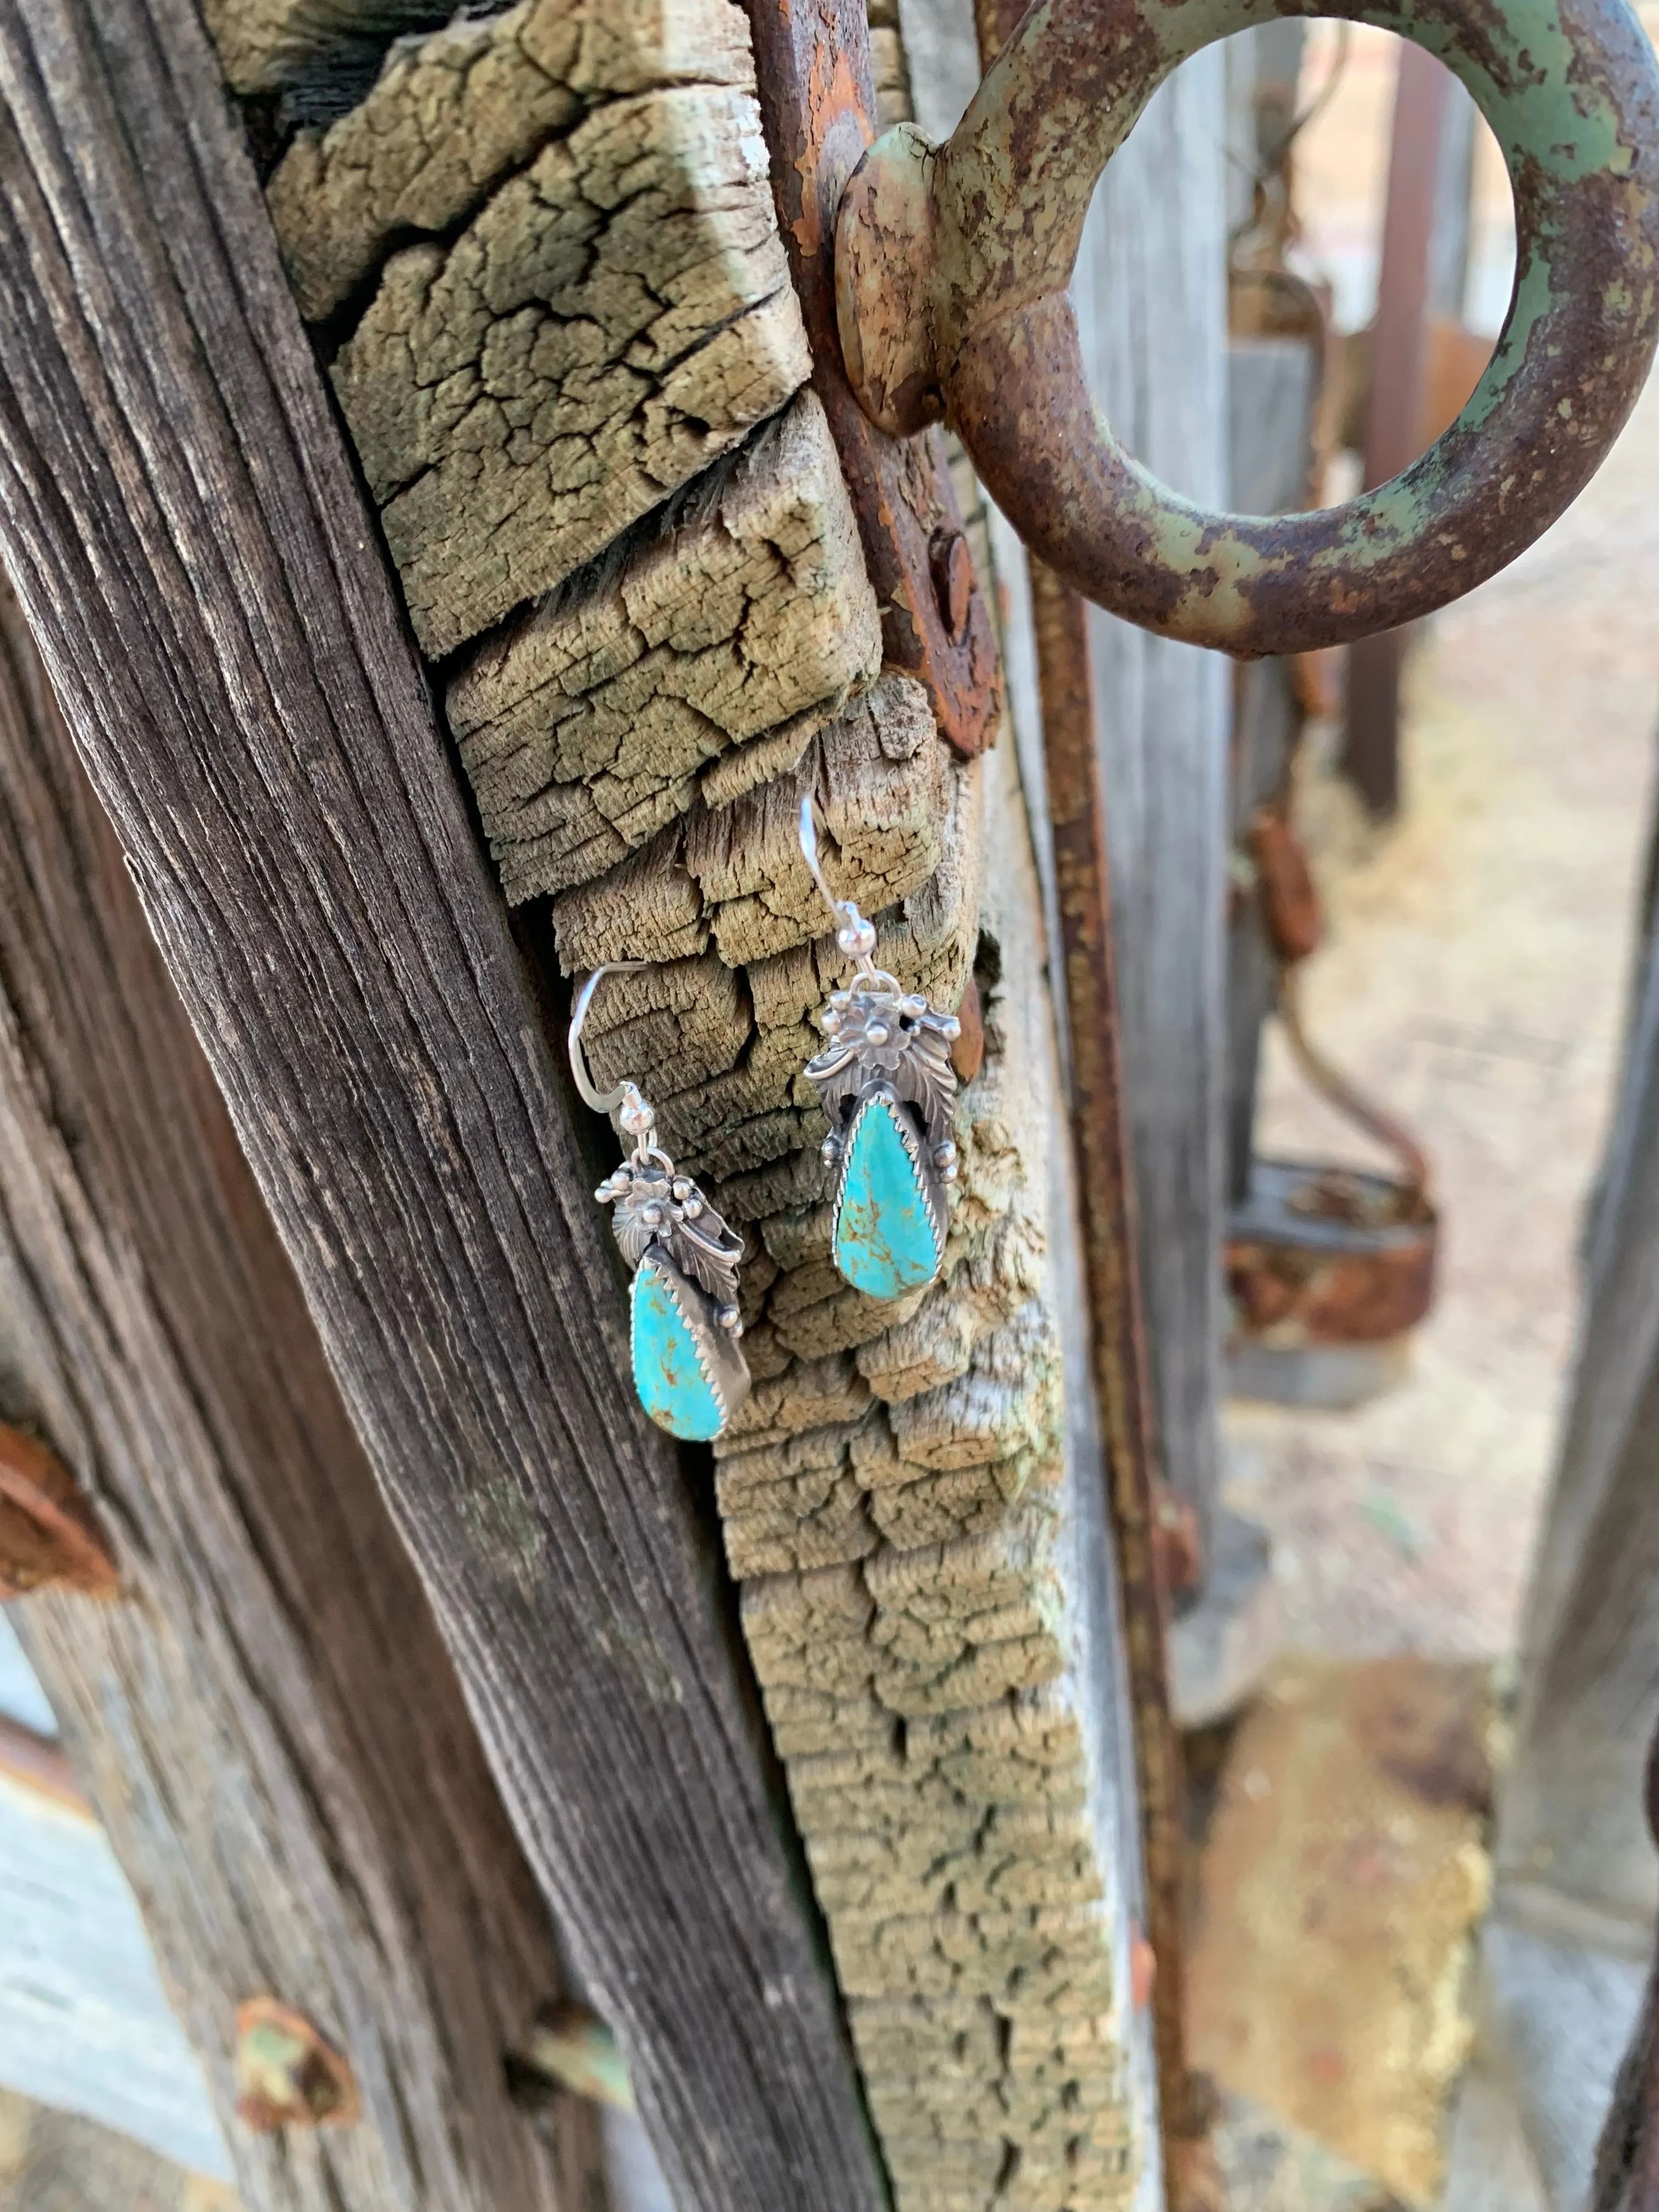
{"type": "Point", "coordinates": [637, 1117]}
{"type": "Point", "coordinates": [853, 934]}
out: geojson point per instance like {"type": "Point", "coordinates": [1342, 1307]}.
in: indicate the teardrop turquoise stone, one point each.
{"type": "Point", "coordinates": [885, 1240]}
{"type": "Point", "coordinates": [673, 1387]}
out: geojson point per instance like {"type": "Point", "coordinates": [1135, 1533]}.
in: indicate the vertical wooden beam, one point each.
{"type": "Point", "coordinates": [1566, 1952]}
{"type": "Point", "coordinates": [1107, 1202]}
{"type": "Point", "coordinates": [197, 562]}
{"type": "Point", "coordinates": [1151, 291]}
{"type": "Point", "coordinates": [266, 1717]}
{"type": "Point", "coordinates": [1122, 1385]}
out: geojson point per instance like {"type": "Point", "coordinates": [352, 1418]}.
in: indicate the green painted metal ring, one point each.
{"type": "Point", "coordinates": [1571, 90]}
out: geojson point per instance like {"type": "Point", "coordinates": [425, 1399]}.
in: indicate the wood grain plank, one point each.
{"type": "Point", "coordinates": [1151, 305]}
{"type": "Point", "coordinates": [269, 1724]}
{"type": "Point", "coordinates": [199, 563]}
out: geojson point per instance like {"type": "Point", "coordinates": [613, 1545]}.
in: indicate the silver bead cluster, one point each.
{"type": "Point", "coordinates": [636, 1116]}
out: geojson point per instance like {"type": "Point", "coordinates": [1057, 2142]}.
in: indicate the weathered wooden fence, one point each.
{"type": "Point", "coordinates": [543, 270]}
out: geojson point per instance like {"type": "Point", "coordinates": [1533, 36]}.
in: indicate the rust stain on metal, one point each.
{"type": "Point", "coordinates": [1290, 900]}
{"type": "Point", "coordinates": [952, 265]}
{"type": "Point", "coordinates": [287, 2075]}
{"type": "Point", "coordinates": [967, 1046]}
{"type": "Point", "coordinates": [952, 567]}
{"type": "Point", "coordinates": [49, 1538]}
{"type": "Point", "coordinates": [818, 104]}
{"type": "Point", "coordinates": [1293, 1295]}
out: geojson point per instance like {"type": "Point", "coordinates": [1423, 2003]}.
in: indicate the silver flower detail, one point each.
{"type": "Point", "coordinates": [882, 1036]}
{"type": "Point", "coordinates": [654, 1205]}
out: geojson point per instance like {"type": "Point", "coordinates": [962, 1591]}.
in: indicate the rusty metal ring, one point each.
{"type": "Point", "coordinates": [952, 264]}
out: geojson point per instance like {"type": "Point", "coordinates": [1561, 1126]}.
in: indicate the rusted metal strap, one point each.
{"type": "Point", "coordinates": [818, 102]}
{"type": "Point", "coordinates": [1345, 1096]}
{"type": "Point", "coordinates": [1122, 1383]}
{"type": "Point", "coordinates": [952, 265]}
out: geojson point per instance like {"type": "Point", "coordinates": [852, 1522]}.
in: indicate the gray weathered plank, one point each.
{"type": "Point", "coordinates": [1270, 389]}
{"type": "Point", "coordinates": [1565, 1954]}
{"type": "Point", "coordinates": [1150, 293]}
{"type": "Point", "coordinates": [84, 2021]}
{"type": "Point", "coordinates": [268, 1722]}
{"type": "Point", "coordinates": [196, 559]}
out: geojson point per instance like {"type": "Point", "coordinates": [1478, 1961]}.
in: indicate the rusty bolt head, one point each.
{"type": "Point", "coordinates": [952, 567]}
{"type": "Point", "coordinates": [287, 2075]}
{"type": "Point", "coordinates": [49, 1539]}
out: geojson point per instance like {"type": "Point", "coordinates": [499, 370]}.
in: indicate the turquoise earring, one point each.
{"type": "Point", "coordinates": [887, 1088]}
{"type": "Point", "coordinates": [690, 1377]}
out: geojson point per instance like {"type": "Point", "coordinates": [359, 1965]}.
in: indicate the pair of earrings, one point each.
{"type": "Point", "coordinates": [887, 1087]}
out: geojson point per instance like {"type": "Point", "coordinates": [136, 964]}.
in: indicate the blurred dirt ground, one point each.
{"type": "Point", "coordinates": [1475, 975]}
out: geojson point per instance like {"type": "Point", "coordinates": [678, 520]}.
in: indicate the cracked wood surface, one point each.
{"type": "Point", "coordinates": [704, 665]}
{"type": "Point", "coordinates": [267, 1720]}
{"type": "Point", "coordinates": [192, 553]}
{"type": "Point", "coordinates": [735, 876]}
{"type": "Point", "coordinates": [904, 1517]}
{"type": "Point", "coordinates": [898, 1507]}
{"type": "Point", "coordinates": [450, 114]}
{"type": "Point", "coordinates": [615, 316]}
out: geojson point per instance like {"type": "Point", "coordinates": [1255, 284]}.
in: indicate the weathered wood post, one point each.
{"type": "Point", "coordinates": [202, 572]}
{"type": "Point", "coordinates": [1152, 308]}
{"type": "Point", "coordinates": [913, 1515]}
{"type": "Point", "coordinates": [1566, 1951]}
{"type": "Point", "coordinates": [264, 1712]}
{"type": "Point", "coordinates": [575, 275]}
